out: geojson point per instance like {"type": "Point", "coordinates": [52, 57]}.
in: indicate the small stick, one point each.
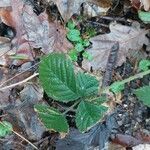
{"type": "Point", "coordinates": [10, 79]}
{"type": "Point", "coordinates": [19, 83]}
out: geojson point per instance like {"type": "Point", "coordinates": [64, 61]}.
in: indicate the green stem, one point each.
{"type": "Point", "coordinates": [71, 107]}
{"type": "Point", "coordinates": [139, 75]}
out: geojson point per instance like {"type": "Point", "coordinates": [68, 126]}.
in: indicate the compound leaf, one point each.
{"type": "Point", "coordinates": [57, 77]}
{"type": "Point", "coordinates": [51, 118]}
{"type": "Point", "coordinates": [88, 115]}
{"type": "Point", "coordinates": [143, 94]}
{"type": "Point", "coordinates": [87, 84]}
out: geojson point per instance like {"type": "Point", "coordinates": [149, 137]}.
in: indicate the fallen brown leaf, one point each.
{"type": "Point", "coordinates": [69, 7]}
{"type": "Point", "coordinates": [130, 38]}
{"type": "Point", "coordinates": [42, 34]}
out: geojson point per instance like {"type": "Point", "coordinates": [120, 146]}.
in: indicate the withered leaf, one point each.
{"type": "Point", "coordinates": [42, 34]}
{"type": "Point", "coordinates": [130, 38]}
{"type": "Point", "coordinates": [69, 7]}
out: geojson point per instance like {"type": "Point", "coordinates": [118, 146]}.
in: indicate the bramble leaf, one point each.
{"type": "Point", "coordinates": [87, 55]}
{"type": "Point", "coordinates": [97, 100]}
{"type": "Point", "coordinates": [87, 84]}
{"type": "Point", "coordinates": [71, 24]}
{"type": "Point", "coordinates": [117, 87]}
{"type": "Point", "coordinates": [88, 115]}
{"type": "Point", "coordinates": [144, 16]}
{"type": "Point", "coordinates": [144, 65]}
{"type": "Point", "coordinates": [5, 128]}
{"type": "Point", "coordinates": [86, 43]}
{"type": "Point", "coordinates": [143, 94]}
{"type": "Point", "coordinates": [74, 35]}
{"type": "Point", "coordinates": [73, 55]}
{"type": "Point", "coordinates": [79, 47]}
{"type": "Point", "coordinates": [52, 118]}
{"type": "Point", "coordinates": [57, 77]}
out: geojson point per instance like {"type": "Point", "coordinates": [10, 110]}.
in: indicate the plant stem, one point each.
{"type": "Point", "coordinates": [139, 75]}
{"type": "Point", "coordinates": [71, 107]}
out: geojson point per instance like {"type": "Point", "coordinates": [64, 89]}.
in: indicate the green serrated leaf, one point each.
{"type": "Point", "coordinates": [144, 16]}
{"type": "Point", "coordinates": [117, 87]}
{"type": "Point", "coordinates": [79, 47]}
{"type": "Point", "coordinates": [143, 94]}
{"type": "Point", "coordinates": [88, 115]}
{"type": "Point", "coordinates": [144, 65]}
{"type": "Point", "coordinates": [97, 100]}
{"type": "Point", "coordinates": [71, 24]}
{"type": "Point", "coordinates": [74, 35]}
{"type": "Point", "coordinates": [52, 118]}
{"type": "Point", "coordinates": [57, 77]}
{"type": "Point", "coordinates": [86, 43]}
{"type": "Point", "coordinates": [87, 84]}
{"type": "Point", "coordinates": [5, 128]}
{"type": "Point", "coordinates": [87, 55]}
{"type": "Point", "coordinates": [73, 55]}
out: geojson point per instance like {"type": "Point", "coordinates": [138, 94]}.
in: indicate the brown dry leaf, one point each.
{"type": "Point", "coordinates": [42, 34]}
{"type": "Point", "coordinates": [69, 7]}
{"type": "Point", "coordinates": [112, 146]}
{"type": "Point", "coordinates": [5, 46]}
{"type": "Point", "coordinates": [129, 38]}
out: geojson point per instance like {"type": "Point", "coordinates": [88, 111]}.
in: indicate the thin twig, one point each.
{"type": "Point", "coordinates": [24, 139]}
{"type": "Point", "coordinates": [10, 79]}
{"type": "Point", "coordinates": [19, 83]}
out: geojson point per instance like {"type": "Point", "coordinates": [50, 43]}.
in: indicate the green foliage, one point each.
{"type": "Point", "coordinates": [143, 94]}
{"type": "Point", "coordinates": [87, 55]}
{"type": "Point", "coordinates": [74, 35]}
{"type": "Point", "coordinates": [79, 43]}
{"type": "Point", "coordinates": [60, 82]}
{"type": "Point", "coordinates": [71, 24]}
{"type": "Point", "coordinates": [88, 114]}
{"type": "Point", "coordinates": [79, 47]}
{"type": "Point", "coordinates": [5, 128]}
{"type": "Point", "coordinates": [57, 77]}
{"type": "Point", "coordinates": [87, 84]}
{"type": "Point", "coordinates": [144, 65]}
{"type": "Point", "coordinates": [98, 100]}
{"type": "Point", "coordinates": [144, 16]}
{"type": "Point", "coordinates": [52, 118]}
{"type": "Point", "coordinates": [90, 31]}
{"type": "Point", "coordinates": [73, 54]}
{"type": "Point", "coordinates": [117, 87]}
{"type": "Point", "coordinates": [86, 43]}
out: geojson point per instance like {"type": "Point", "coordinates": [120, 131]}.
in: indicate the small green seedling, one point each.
{"type": "Point", "coordinates": [5, 128]}
{"type": "Point", "coordinates": [80, 43]}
